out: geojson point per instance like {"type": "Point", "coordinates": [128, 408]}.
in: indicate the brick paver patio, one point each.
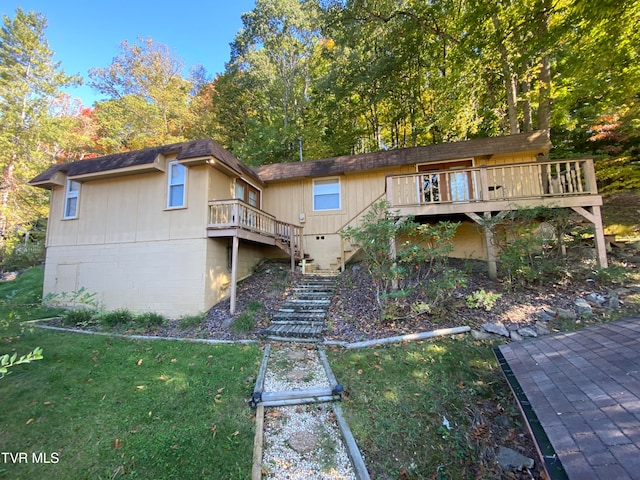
{"type": "Point", "coordinates": [584, 388]}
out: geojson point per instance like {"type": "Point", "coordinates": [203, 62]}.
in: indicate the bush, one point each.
{"type": "Point", "coordinates": [533, 242]}
{"type": "Point", "coordinates": [190, 321]}
{"type": "Point", "coordinates": [81, 317]}
{"type": "Point", "coordinates": [23, 256]}
{"type": "Point", "coordinates": [482, 299]}
{"type": "Point", "coordinates": [419, 262]}
{"type": "Point", "coordinates": [117, 318]}
{"type": "Point", "coordinates": [150, 319]}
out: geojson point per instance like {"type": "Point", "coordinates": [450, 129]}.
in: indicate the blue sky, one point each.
{"type": "Point", "coordinates": [86, 34]}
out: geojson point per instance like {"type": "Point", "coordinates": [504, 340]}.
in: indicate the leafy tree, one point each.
{"type": "Point", "coordinates": [29, 82]}
{"type": "Point", "coordinates": [402, 256]}
{"type": "Point", "coordinates": [148, 98]}
{"type": "Point", "coordinates": [271, 59]}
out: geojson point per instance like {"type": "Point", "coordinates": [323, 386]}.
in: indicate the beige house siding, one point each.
{"type": "Point", "coordinates": [134, 252]}
{"type": "Point", "coordinates": [160, 276]}
{"type": "Point", "coordinates": [218, 274]}
{"type": "Point", "coordinates": [358, 191]}
{"type": "Point", "coordinates": [130, 209]}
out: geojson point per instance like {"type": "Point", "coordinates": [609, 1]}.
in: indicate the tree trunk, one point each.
{"type": "Point", "coordinates": [527, 116]}
{"type": "Point", "coordinates": [544, 104]}
{"type": "Point", "coordinates": [544, 107]}
{"type": "Point", "coordinates": [510, 80]}
{"type": "Point", "coordinates": [6, 188]}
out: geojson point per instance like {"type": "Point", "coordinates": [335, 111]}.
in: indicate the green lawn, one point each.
{"type": "Point", "coordinates": [428, 409]}
{"type": "Point", "coordinates": [99, 407]}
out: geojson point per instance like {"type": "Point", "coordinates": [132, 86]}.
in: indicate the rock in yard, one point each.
{"type": "Point", "coordinates": [565, 314]}
{"type": "Point", "coordinates": [479, 335]}
{"type": "Point", "coordinates": [296, 374]}
{"type": "Point", "coordinates": [303, 441]}
{"type": "Point", "coordinates": [584, 309]}
{"type": "Point", "coordinates": [596, 299]}
{"type": "Point", "coordinates": [544, 315]}
{"type": "Point", "coordinates": [527, 332]}
{"type": "Point", "coordinates": [297, 355]}
{"type": "Point", "coordinates": [516, 337]}
{"type": "Point", "coordinates": [542, 328]}
{"type": "Point", "coordinates": [495, 328]}
{"type": "Point", "coordinates": [512, 461]}
{"type": "Point", "coordinates": [614, 301]}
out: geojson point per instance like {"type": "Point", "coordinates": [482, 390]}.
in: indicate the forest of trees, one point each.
{"type": "Point", "coordinates": [333, 77]}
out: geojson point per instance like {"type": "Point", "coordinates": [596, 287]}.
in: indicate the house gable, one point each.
{"type": "Point", "coordinates": [197, 152]}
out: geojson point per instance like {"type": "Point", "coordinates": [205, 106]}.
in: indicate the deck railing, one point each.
{"type": "Point", "coordinates": [494, 183]}
{"type": "Point", "coordinates": [237, 214]}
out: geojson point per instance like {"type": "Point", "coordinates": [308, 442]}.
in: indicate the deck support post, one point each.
{"type": "Point", "coordinates": [234, 273]}
{"type": "Point", "coordinates": [393, 253]}
{"type": "Point", "coordinates": [293, 256]}
{"type": "Point", "coordinates": [485, 223]}
{"type": "Point", "coordinates": [595, 217]}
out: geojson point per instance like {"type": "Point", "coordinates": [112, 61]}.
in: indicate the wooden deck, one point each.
{"type": "Point", "coordinates": [484, 192]}
{"type": "Point", "coordinates": [234, 218]}
{"type": "Point", "coordinates": [240, 221]}
{"type": "Point", "coordinates": [562, 184]}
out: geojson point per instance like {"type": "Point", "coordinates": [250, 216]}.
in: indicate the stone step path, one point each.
{"type": "Point", "coordinates": [300, 430]}
{"type": "Point", "coordinates": [301, 316]}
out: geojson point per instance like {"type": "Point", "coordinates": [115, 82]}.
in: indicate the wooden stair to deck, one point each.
{"type": "Point", "coordinates": [301, 316]}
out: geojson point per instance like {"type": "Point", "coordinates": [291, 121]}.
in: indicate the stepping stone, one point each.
{"type": "Point", "coordinates": [303, 441]}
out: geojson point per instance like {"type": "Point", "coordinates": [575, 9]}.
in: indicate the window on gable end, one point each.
{"type": "Point", "coordinates": [326, 194]}
{"type": "Point", "coordinates": [177, 185]}
{"type": "Point", "coordinates": [71, 197]}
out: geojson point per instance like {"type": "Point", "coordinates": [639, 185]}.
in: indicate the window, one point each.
{"type": "Point", "coordinates": [239, 190]}
{"type": "Point", "coordinates": [326, 194]}
{"type": "Point", "coordinates": [71, 199]}
{"type": "Point", "coordinates": [247, 193]}
{"type": "Point", "coordinates": [177, 183]}
{"type": "Point", "coordinates": [253, 198]}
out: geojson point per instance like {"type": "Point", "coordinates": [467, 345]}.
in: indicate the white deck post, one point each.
{"type": "Point", "coordinates": [234, 273]}
{"type": "Point", "coordinates": [595, 217]}
{"type": "Point", "coordinates": [492, 265]}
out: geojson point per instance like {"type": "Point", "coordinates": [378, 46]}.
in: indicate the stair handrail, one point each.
{"type": "Point", "coordinates": [357, 217]}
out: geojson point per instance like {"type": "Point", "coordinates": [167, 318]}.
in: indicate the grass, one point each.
{"type": "Point", "coordinates": [399, 398]}
{"type": "Point", "coordinates": [246, 320]}
{"type": "Point", "coordinates": [112, 408]}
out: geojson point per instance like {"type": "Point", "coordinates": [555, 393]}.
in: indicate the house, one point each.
{"type": "Point", "coordinates": [173, 228]}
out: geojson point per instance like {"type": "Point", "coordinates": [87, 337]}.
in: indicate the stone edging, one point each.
{"type": "Point", "coordinates": [412, 337]}
{"type": "Point", "coordinates": [135, 337]}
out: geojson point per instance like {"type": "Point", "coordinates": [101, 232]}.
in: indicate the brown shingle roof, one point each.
{"type": "Point", "coordinates": [525, 142]}
{"type": "Point", "coordinates": [184, 150]}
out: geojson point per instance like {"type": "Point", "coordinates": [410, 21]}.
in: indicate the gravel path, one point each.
{"type": "Point", "coordinates": [301, 441]}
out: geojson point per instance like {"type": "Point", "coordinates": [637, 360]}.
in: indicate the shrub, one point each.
{"type": "Point", "coordinates": [254, 306]}
{"type": "Point", "coordinates": [81, 317]}
{"type": "Point", "coordinates": [533, 242]}
{"type": "Point", "coordinates": [482, 299]}
{"type": "Point", "coordinates": [116, 318]}
{"type": "Point", "coordinates": [419, 259]}
{"type": "Point", "coordinates": [23, 256]}
{"type": "Point", "coordinates": [150, 319]}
